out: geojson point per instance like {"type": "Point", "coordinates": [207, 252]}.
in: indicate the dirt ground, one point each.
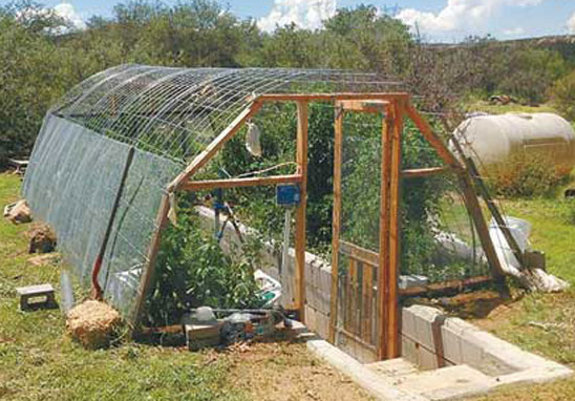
{"type": "Point", "coordinates": [285, 370]}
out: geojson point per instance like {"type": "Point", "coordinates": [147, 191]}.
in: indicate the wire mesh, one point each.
{"type": "Point", "coordinates": [175, 112]}
{"type": "Point", "coordinates": [168, 115]}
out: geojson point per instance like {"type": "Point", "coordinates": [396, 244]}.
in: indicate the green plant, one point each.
{"type": "Point", "coordinates": [563, 95]}
{"type": "Point", "coordinates": [192, 270]}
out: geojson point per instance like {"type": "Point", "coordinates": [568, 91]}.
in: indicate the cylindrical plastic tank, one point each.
{"type": "Point", "coordinates": [494, 139]}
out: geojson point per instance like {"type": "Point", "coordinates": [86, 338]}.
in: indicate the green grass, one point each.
{"type": "Point", "coordinates": [543, 323]}
{"type": "Point", "coordinates": [553, 233]}
{"type": "Point", "coordinates": [39, 362]}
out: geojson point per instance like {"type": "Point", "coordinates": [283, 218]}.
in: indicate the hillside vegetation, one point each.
{"type": "Point", "coordinates": [41, 57]}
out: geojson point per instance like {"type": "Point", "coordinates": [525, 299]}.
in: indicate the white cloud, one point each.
{"type": "Point", "coordinates": [308, 14]}
{"type": "Point", "coordinates": [571, 24]}
{"type": "Point", "coordinates": [68, 13]}
{"type": "Point", "coordinates": [514, 31]}
{"type": "Point", "coordinates": [459, 14]}
{"type": "Point", "coordinates": [63, 10]}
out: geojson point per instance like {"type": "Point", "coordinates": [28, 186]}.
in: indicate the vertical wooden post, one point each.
{"type": "Point", "coordinates": [336, 217]}
{"type": "Point", "coordinates": [384, 224]}
{"type": "Point", "coordinates": [394, 235]}
{"type": "Point", "coordinates": [300, 222]}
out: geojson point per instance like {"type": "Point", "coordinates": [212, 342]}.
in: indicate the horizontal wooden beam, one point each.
{"type": "Point", "coordinates": [294, 97]}
{"type": "Point", "coordinates": [364, 106]}
{"type": "Point", "coordinates": [358, 253]}
{"type": "Point", "coordinates": [445, 286]}
{"type": "Point", "coordinates": [424, 172]}
{"type": "Point", "coordinates": [241, 182]}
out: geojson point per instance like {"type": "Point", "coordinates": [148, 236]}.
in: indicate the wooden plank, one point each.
{"type": "Point", "coordinates": [38, 289]}
{"type": "Point", "coordinates": [337, 96]}
{"type": "Point", "coordinates": [349, 299]}
{"type": "Point", "coordinates": [337, 159]}
{"type": "Point", "coordinates": [369, 106]}
{"type": "Point", "coordinates": [424, 172]}
{"type": "Point", "coordinates": [445, 286]}
{"type": "Point", "coordinates": [367, 300]}
{"type": "Point", "coordinates": [484, 193]}
{"type": "Point", "coordinates": [354, 297]}
{"type": "Point", "coordinates": [149, 267]}
{"type": "Point", "coordinates": [360, 341]}
{"type": "Point", "coordinates": [474, 209]}
{"type": "Point", "coordinates": [394, 235]}
{"type": "Point", "coordinates": [201, 159]}
{"type": "Point", "coordinates": [431, 137]}
{"type": "Point", "coordinates": [300, 217]}
{"type": "Point", "coordinates": [361, 254]}
{"type": "Point", "coordinates": [242, 182]}
{"type": "Point", "coordinates": [384, 221]}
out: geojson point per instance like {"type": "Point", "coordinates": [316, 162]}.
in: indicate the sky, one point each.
{"type": "Point", "coordinates": [437, 20]}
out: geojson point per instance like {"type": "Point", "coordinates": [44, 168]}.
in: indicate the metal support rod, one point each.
{"type": "Point", "coordinates": [97, 292]}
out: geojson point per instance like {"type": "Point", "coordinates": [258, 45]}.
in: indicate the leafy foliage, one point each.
{"type": "Point", "coordinates": [563, 95]}
{"type": "Point", "coordinates": [43, 57]}
{"type": "Point", "coordinates": [192, 271]}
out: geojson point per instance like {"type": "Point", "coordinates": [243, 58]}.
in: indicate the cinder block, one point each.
{"type": "Point", "coordinates": [427, 360]}
{"type": "Point", "coordinates": [408, 328]}
{"type": "Point", "coordinates": [451, 339]}
{"type": "Point", "coordinates": [472, 353]}
{"type": "Point", "coordinates": [427, 321]}
{"type": "Point", "coordinates": [409, 350]}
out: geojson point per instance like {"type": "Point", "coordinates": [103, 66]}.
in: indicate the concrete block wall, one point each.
{"type": "Point", "coordinates": [432, 340]}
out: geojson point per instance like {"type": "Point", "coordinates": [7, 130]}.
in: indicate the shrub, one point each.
{"type": "Point", "coordinates": [563, 96]}
{"type": "Point", "coordinates": [524, 176]}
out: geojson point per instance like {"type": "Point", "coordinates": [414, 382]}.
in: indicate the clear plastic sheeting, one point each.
{"type": "Point", "coordinates": [71, 183]}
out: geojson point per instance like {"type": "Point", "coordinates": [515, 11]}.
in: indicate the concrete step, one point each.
{"type": "Point", "coordinates": [445, 383]}
{"type": "Point", "coordinates": [393, 368]}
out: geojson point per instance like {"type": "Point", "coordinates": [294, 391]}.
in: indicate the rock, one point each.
{"type": "Point", "coordinates": [18, 212]}
{"type": "Point", "coordinates": [42, 239]}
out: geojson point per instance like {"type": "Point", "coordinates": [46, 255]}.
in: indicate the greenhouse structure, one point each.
{"type": "Point", "coordinates": [115, 152]}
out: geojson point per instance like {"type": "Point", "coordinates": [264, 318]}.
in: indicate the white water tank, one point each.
{"type": "Point", "coordinates": [493, 139]}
